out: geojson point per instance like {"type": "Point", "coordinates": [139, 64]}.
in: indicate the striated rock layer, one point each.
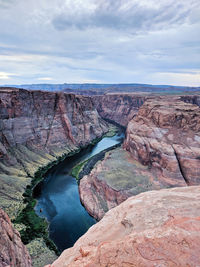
{"type": "Point", "coordinates": [118, 108]}
{"type": "Point", "coordinates": [37, 128]}
{"type": "Point", "coordinates": [12, 250]}
{"type": "Point", "coordinates": [156, 228]}
{"type": "Point", "coordinates": [165, 135]}
{"type": "Point", "coordinates": [163, 144]}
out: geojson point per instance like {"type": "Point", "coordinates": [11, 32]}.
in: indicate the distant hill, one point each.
{"type": "Point", "coordinates": [93, 88]}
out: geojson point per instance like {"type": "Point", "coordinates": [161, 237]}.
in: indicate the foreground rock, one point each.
{"type": "Point", "coordinates": [156, 228]}
{"type": "Point", "coordinates": [12, 250]}
{"type": "Point", "coordinates": [165, 136]}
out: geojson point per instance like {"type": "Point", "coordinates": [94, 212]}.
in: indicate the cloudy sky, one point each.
{"type": "Point", "coordinates": [103, 41]}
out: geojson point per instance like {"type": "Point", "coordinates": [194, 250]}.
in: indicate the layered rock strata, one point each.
{"type": "Point", "coordinates": [118, 108]}
{"type": "Point", "coordinates": [165, 136]}
{"type": "Point", "coordinates": [163, 144]}
{"type": "Point", "coordinates": [37, 128]}
{"type": "Point", "coordinates": [156, 228]}
{"type": "Point", "coordinates": [12, 250]}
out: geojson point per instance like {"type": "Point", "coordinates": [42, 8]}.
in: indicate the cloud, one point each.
{"type": "Point", "coordinates": [6, 75]}
{"type": "Point", "coordinates": [104, 41]}
{"type": "Point", "coordinates": [129, 15]}
{"type": "Point", "coordinates": [45, 79]}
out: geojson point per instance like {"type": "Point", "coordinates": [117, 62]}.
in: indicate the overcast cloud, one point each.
{"type": "Point", "coordinates": [107, 41]}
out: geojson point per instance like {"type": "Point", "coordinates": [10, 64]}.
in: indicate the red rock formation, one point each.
{"type": "Point", "coordinates": [37, 128]}
{"type": "Point", "coordinates": [113, 180]}
{"type": "Point", "coordinates": [119, 108]}
{"type": "Point", "coordinates": [156, 228]}
{"type": "Point", "coordinates": [12, 251]}
{"type": "Point", "coordinates": [165, 135]}
{"type": "Point", "coordinates": [46, 120]}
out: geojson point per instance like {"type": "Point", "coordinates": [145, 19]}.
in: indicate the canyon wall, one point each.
{"type": "Point", "coordinates": [161, 150]}
{"type": "Point", "coordinates": [193, 99]}
{"type": "Point", "coordinates": [118, 108]}
{"type": "Point", "coordinates": [156, 228]}
{"type": "Point", "coordinates": [165, 135]}
{"type": "Point", "coordinates": [12, 251]}
{"type": "Point", "coordinates": [37, 128]}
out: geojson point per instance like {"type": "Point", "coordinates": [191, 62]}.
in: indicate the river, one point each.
{"type": "Point", "coordinates": [58, 200]}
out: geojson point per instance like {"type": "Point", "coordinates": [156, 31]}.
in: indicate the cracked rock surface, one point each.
{"type": "Point", "coordinates": [12, 250]}
{"type": "Point", "coordinates": [155, 228]}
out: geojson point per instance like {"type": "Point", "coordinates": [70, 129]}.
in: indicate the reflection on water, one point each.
{"type": "Point", "coordinates": [59, 200]}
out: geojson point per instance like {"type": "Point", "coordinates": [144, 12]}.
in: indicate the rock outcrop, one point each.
{"type": "Point", "coordinates": [118, 108]}
{"type": "Point", "coordinates": [165, 135]}
{"type": "Point", "coordinates": [114, 179]}
{"type": "Point", "coordinates": [156, 228]}
{"type": "Point", "coordinates": [12, 251]}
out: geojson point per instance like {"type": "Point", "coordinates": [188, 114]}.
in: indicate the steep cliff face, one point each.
{"type": "Point", "coordinates": [36, 128]}
{"type": "Point", "coordinates": [165, 135]}
{"type": "Point", "coordinates": [157, 228]}
{"type": "Point", "coordinates": [163, 144]}
{"type": "Point", "coordinates": [12, 250]}
{"type": "Point", "coordinates": [119, 108]}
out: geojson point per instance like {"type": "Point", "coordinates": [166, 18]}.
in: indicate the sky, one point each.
{"type": "Point", "coordinates": [100, 41]}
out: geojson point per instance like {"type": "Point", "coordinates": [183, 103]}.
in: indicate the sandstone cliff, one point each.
{"type": "Point", "coordinates": [12, 251]}
{"type": "Point", "coordinates": [165, 135]}
{"type": "Point", "coordinates": [163, 144]}
{"type": "Point", "coordinates": [118, 108]}
{"type": "Point", "coordinates": [36, 128]}
{"type": "Point", "coordinates": [156, 228]}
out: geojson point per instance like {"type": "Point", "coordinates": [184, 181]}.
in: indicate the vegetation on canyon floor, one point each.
{"type": "Point", "coordinates": [30, 225]}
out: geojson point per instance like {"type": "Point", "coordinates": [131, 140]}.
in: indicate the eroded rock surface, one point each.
{"type": "Point", "coordinates": [37, 128]}
{"type": "Point", "coordinates": [165, 135]}
{"type": "Point", "coordinates": [114, 179]}
{"type": "Point", "coordinates": [12, 251]}
{"type": "Point", "coordinates": [163, 141]}
{"type": "Point", "coordinates": [156, 228]}
{"type": "Point", "coordinates": [118, 108]}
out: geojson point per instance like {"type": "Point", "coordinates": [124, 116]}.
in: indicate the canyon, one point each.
{"type": "Point", "coordinates": [37, 130]}
{"type": "Point", "coordinates": [161, 150]}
